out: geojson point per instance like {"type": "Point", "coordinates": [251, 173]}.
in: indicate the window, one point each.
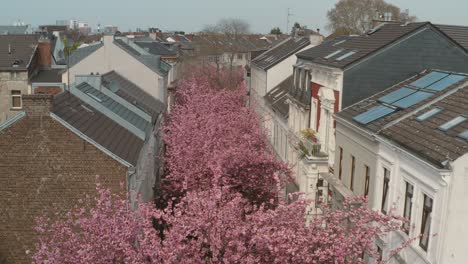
{"type": "Point", "coordinates": [408, 207]}
{"type": "Point", "coordinates": [454, 122]}
{"type": "Point", "coordinates": [385, 190]}
{"type": "Point", "coordinates": [303, 79]}
{"type": "Point", "coordinates": [333, 54]}
{"type": "Point", "coordinates": [426, 222]}
{"type": "Point", "coordinates": [429, 113]}
{"type": "Point", "coordinates": [16, 99]}
{"type": "Point", "coordinates": [340, 169]}
{"type": "Point", "coordinates": [240, 56]}
{"type": "Point", "coordinates": [367, 180]}
{"type": "Point", "coordinates": [353, 164]}
{"type": "Point", "coordinates": [346, 55]}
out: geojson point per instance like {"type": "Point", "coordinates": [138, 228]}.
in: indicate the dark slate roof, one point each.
{"type": "Point", "coordinates": [156, 48]}
{"type": "Point", "coordinates": [457, 33]}
{"type": "Point", "coordinates": [132, 93]}
{"type": "Point", "coordinates": [22, 49]}
{"type": "Point", "coordinates": [12, 30]}
{"type": "Point", "coordinates": [81, 53]}
{"type": "Point", "coordinates": [115, 107]}
{"type": "Point", "coordinates": [151, 61]}
{"type": "Point", "coordinates": [364, 45]}
{"type": "Point", "coordinates": [98, 127]}
{"type": "Point", "coordinates": [422, 138]}
{"type": "Point", "coordinates": [48, 76]}
{"type": "Point", "coordinates": [277, 97]}
{"type": "Point", "coordinates": [280, 52]}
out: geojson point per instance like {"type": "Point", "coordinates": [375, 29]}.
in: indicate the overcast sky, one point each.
{"type": "Point", "coordinates": [193, 15]}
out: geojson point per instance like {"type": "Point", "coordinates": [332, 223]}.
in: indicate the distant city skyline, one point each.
{"type": "Point", "coordinates": [192, 16]}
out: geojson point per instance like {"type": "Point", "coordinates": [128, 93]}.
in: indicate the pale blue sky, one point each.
{"type": "Point", "coordinates": [192, 15]}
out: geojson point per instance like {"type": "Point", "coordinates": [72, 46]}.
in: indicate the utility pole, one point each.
{"type": "Point", "coordinates": [289, 14]}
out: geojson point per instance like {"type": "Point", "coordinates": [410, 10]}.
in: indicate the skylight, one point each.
{"type": "Point", "coordinates": [373, 114]}
{"type": "Point", "coordinates": [333, 54]}
{"type": "Point", "coordinates": [339, 42]}
{"type": "Point", "coordinates": [94, 97]}
{"type": "Point", "coordinates": [429, 113]}
{"type": "Point", "coordinates": [464, 135]}
{"type": "Point", "coordinates": [346, 55]}
{"type": "Point", "coordinates": [454, 122]}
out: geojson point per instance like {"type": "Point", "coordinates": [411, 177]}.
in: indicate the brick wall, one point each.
{"type": "Point", "coordinates": [44, 165]}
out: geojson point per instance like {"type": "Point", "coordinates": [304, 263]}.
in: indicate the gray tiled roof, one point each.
{"type": "Point", "coordinates": [423, 138]}
{"type": "Point", "coordinates": [156, 48]}
{"type": "Point", "coordinates": [115, 107]}
{"type": "Point", "coordinates": [457, 33]}
{"type": "Point", "coordinates": [98, 127]}
{"type": "Point", "coordinates": [22, 49]}
{"type": "Point", "coordinates": [279, 52]}
{"type": "Point", "coordinates": [132, 93]}
{"type": "Point", "coordinates": [278, 96]}
{"type": "Point", "coordinates": [364, 45]}
{"type": "Point", "coordinates": [151, 61]}
{"type": "Point", "coordinates": [81, 53]}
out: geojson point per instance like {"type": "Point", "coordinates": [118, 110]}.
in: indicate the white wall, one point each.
{"type": "Point", "coordinates": [448, 214]}
{"type": "Point", "coordinates": [111, 57]}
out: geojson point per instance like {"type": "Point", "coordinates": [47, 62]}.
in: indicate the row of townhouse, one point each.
{"type": "Point", "coordinates": [406, 148]}
{"type": "Point", "coordinates": [67, 129]}
{"type": "Point", "coordinates": [300, 111]}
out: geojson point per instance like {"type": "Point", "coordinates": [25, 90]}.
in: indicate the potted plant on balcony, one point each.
{"type": "Point", "coordinates": [309, 134]}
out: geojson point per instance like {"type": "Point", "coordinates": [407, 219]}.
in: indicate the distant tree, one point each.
{"type": "Point", "coordinates": [297, 25]}
{"type": "Point", "coordinates": [276, 31]}
{"type": "Point", "coordinates": [68, 50]}
{"type": "Point", "coordinates": [232, 29]}
{"type": "Point", "coordinates": [355, 16]}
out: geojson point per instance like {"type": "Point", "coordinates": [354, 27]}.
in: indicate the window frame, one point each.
{"type": "Point", "coordinates": [408, 202]}
{"type": "Point", "coordinates": [426, 220]}
{"type": "Point", "coordinates": [353, 171]}
{"type": "Point", "coordinates": [366, 180]}
{"type": "Point", "coordinates": [340, 168]}
{"type": "Point", "coordinates": [17, 95]}
{"type": "Point", "coordinates": [385, 190]}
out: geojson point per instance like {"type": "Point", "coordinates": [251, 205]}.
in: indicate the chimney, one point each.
{"type": "Point", "coordinates": [37, 105]}
{"type": "Point", "coordinates": [45, 52]}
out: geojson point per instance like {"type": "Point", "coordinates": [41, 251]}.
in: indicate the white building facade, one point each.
{"type": "Point", "coordinates": [413, 177]}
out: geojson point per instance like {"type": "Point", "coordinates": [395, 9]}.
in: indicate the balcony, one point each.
{"type": "Point", "coordinates": [309, 148]}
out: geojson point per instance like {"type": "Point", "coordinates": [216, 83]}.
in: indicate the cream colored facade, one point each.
{"type": "Point", "coordinates": [11, 81]}
{"type": "Point", "coordinates": [446, 187]}
{"type": "Point", "coordinates": [112, 57]}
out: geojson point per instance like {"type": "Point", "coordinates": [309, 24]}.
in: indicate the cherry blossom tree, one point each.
{"type": "Point", "coordinates": [211, 132]}
{"type": "Point", "coordinates": [220, 201]}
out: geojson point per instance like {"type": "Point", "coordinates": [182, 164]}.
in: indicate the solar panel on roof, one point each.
{"type": "Point", "coordinates": [429, 113]}
{"type": "Point", "coordinates": [346, 55]}
{"type": "Point", "coordinates": [445, 82]}
{"type": "Point", "coordinates": [333, 53]}
{"type": "Point", "coordinates": [412, 99]}
{"type": "Point", "coordinates": [373, 114]}
{"type": "Point", "coordinates": [396, 95]}
{"type": "Point", "coordinates": [464, 135]}
{"type": "Point", "coordinates": [454, 122]}
{"type": "Point", "coordinates": [429, 79]}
